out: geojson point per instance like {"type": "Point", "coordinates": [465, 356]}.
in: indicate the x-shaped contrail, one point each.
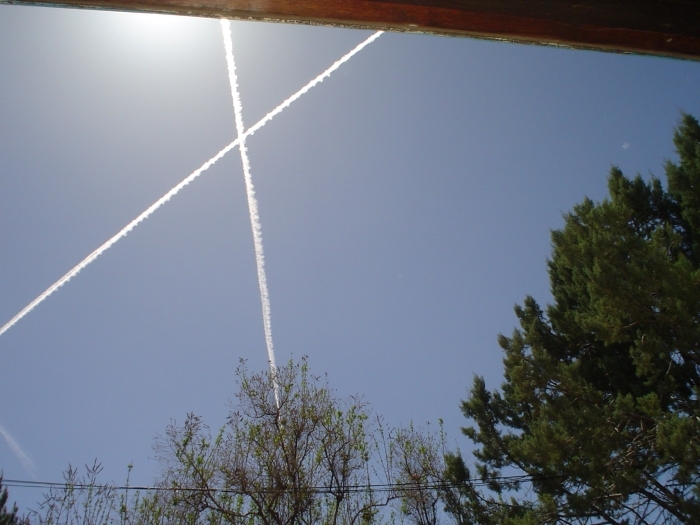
{"type": "Point", "coordinates": [153, 207]}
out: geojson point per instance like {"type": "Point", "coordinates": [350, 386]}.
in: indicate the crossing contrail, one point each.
{"type": "Point", "coordinates": [252, 200]}
{"type": "Point", "coordinates": [26, 461]}
{"type": "Point", "coordinates": [317, 80]}
{"type": "Point", "coordinates": [170, 194]}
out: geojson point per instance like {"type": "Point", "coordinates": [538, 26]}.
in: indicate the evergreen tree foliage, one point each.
{"type": "Point", "coordinates": [599, 409]}
{"type": "Point", "coordinates": [8, 517]}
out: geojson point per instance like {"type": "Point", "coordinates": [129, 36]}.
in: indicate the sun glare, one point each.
{"type": "Point", "coordinates": [155, 23]}
{"type": "Point", "coordinates": [154, 29]}
{"type": "Point", "coordinates": [169, 37]}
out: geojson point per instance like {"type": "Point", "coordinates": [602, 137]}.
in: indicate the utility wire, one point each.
{"type": "Point", "coordinates": [324, 489]}
{"type": "Point", "coordinates": [371, 487]}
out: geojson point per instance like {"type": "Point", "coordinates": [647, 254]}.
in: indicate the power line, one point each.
{"type": "Point", "coordinates": [323, 489]}
{"type": "Point", "coordinates": [370, 487]}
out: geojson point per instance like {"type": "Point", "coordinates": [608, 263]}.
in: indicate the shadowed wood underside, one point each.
{"type": "Point", "coordinates": [658, 27]}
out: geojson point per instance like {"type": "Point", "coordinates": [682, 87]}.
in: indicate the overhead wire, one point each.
{"type": "Point", "coordinates": [372, 487]}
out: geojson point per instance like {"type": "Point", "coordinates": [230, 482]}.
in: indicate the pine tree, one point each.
{"type": "Point", "coordinates": [599, 408]}
{"type": "Point", "coordinates": [8, 518]}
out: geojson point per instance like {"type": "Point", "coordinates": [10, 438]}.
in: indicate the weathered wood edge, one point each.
{"type": "Point", "coordinates": [419, 16]}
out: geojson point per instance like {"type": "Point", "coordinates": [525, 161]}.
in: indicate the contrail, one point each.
{"type": "Point", "coordinates": [317, 80]}
{"type": "Point", "coordinates": [252, 201]}
{"type": "Point", "coordinates": [122, 233]}
{"type": "Point", "coordinates": [26, 461]}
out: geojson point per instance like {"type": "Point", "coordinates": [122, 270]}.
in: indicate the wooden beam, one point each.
{"type": "Point", "coordinates": [657, 27]}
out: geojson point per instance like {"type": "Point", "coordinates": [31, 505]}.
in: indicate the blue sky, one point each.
{"type": "Point", "coordinates": [405, 203]}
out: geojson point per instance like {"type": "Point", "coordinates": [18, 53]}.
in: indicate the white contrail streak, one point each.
{"type": "Point", "coordinates": [252, 200]}
{"type": "Point", "coordinates": [315, 81]}
{"type": "Point", "coordinates": [122, 233]}
{"type": "Point", "coordinates": [26, 461]}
